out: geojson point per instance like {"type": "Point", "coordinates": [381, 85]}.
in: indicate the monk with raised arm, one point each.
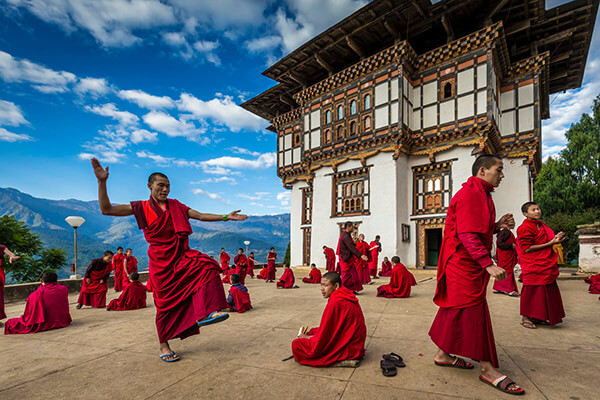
{"type": "Point", "coordinates": [95, 282]}
{"type": "Point", "coordinates": [462, 325]}
{"type": "Point", "coordinates": [130, 265]}
{"type": "Point", "coordinates": [186, 285]}
{"type": "Point", "coordinates": [11, 257]}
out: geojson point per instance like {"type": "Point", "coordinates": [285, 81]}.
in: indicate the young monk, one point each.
{"type": "Point", "coordinates": [186, 286]}
{"type": "Point", "coordinates": [314, 276]}
{"type": "Point", "coordinates": [224, 260]}
{"type": "Point", "coordinates": [541, 302]}
{"type": "Point", "coordinates": [329, 258]}
{"type": "Point", "coordinates": [287, 278]}
{"type": "Point", "coordinates": [348, 254]}
{"type": "Point", "coordinates": [507, 259]}
{"type": "Point", "coordinates": [362, 267]}
{"type": "Point", "coordinates": [11, 257]}
{"type": "Point", "coordinates": [374, 250]}
{"type": "Point", "coordinates": [94, 285]}
{"type": "Point", "coordinates": [462, 325]}
{"type": "Point", "coordinates": [400, 282]}
{"type": "Point", "coordinates": [241, 265]}
{"type": "Point", "coordinates": [118, 261]}
{"type": "Point", "coordinates": [342, 332]}
{"type": "Point", "coordinates": [250, 263]}
{"type": "Point", "coordinates": [46, 308]}
{"type": "Point", "coordinates": [238, 297]}
{"type": "Point", "coordinates": [133, 296]}
{"type": "Point", "coordinates": [386, 267]}
{"type": "Point", "coordinates": [263, 274]}
{"type": "Point", "coordinates": [271, 258]}
{"type": "Point", "coordinates": [130, 264]}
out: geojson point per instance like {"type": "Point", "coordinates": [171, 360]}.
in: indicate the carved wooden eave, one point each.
{"type": "Point", "coordinates": [287, 118]}
{"type": "Point", "coordinates": [288, 180]}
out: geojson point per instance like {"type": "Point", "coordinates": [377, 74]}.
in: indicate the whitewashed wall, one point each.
{"type": "Point", "coordinates": [295, 223]}
{"type": "Point", "coordinates": [514, 190]}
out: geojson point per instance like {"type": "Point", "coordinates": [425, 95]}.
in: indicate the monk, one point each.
{"type": "Point", "coordinates": [329, 258]}
{"type": "Point", "coordinates": [228, 273]}
{"type": "Point", "coordinates": [224, 260]}
{"type": "Point", "coordinates": [250, 263]}
{"type": "Point", "coordinates": [241, 265]}
{"type": "Point", "coordinates": [186, 286]}
{"type": "Point", "coordinates": [95, 282]}
{"type": "Point", "coordinates": [314, 275]}
{"type": "Point", "coordinates": [118, 261]}
{"type": "Point", "coordinates": [263, 274]}
{"type": "Point", "coordinates": [271, 258]}
{"type": "Point", "coordinates": [348, 253]}
{"type": "Point", "coordinates": [238, 297]}
{"type": "Point", "coordinates": [11, 258]}
{"type": "Point", "coordinates": [130, 265]}
{"type": "Point", "coordinates": [362, 267]}
{"type": "Point", "coordinates": [374, 250]}
{"type": "Point", "coordinates": [507, 259]}
{"type": "Point", "coordinates": [541, 302]}
{"type": "Point", "coordinates": [342, 332]}
{"type": "Point", "coordinates": [462, 325]}
{"type": "Point", "coordinates": [386, 267]}
{"type": "Point", "coordinates": [400, 282]}
{"type": "Point", "coordinates": [46, 308]}
{"type": "Point", "coordinates": [133, 296]}
{"type": "Point", "coordinates": [287, 279]}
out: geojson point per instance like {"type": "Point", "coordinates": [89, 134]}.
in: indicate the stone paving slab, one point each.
{"type": "Point", "coordinates": [242, 357]}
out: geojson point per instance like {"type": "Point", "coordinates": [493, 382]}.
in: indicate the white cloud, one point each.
{"type": "Point", "coordinates": [142, 135]}
{"type": "Point", "coordinates": [240, 150]}
{"type": "Point", "coordinates": [41, 78]}
{"type": "Point", "coordinates": [249, 197]}
{"type": "Point", "coordinates": [223, 14]}
{"type": "Point", "coordinates": [284, 198]}
{"type": "Point", "coordinates": [11, 114]}
{"type": "Point", "coordinates": [207, 48]}
{"type": "Point", "coordinates": [145, 100]}
{"type": "Point", "coordinates": [110, 110]}
{"type": "Point", "coordinates": [160, 160]}
{"type": "Point", "coordinates": [104, 156]}
{"type": "Point", "coordinates": [6, 136]}
{"type": "Point", "coordinates": [93, 86]}
{"type": "Point", "coordinates": [174, 127]}
{"type": "Point", "coordinates": [178, 41]}
{"type": "Point", "coordinates": [220, 179]}
{"type": "Point", "coordinates": [265, 43]}
{"type": "Point", "coordinates": [263, 161]}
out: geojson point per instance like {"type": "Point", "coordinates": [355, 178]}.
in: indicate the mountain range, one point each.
{"type": "Point", "coordinates": [99, 232]}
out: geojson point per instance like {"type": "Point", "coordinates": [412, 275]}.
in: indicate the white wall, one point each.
{"type": "Point", "coordinates": [295, 223]}
{"type": "Point", "coordinates": [514, 189]}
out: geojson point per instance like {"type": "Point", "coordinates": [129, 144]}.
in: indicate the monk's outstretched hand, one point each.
{"type": "Point", "coordinates": [496, 272]}
{"type": "Point", "coordinates": [234, 216]}
{"type": "Point", "coordinates": [13, 258]}
{"type": "Point", "coordinates": [101, 173]}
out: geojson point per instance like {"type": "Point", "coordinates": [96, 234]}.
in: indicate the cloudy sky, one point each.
{"type": "Point", "coordinates": [148, 85]}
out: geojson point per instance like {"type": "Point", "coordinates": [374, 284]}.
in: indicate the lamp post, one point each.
{"type": "Point", "coordinates": [247, 243]}
{"type": "Point", "coordinates": [75, 222]}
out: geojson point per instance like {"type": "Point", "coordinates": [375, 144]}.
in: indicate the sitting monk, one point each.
{"type": "Point", "coordinates": [342, 333]}
{"type": "Point", "coordinates": [94, 286]}
{"type": "Point", "coordinates": [400, 282]}
{"type": "Point", "coordinates": [314, 275]}
{"type": "Point", "coordinates": [263, 273]}
{"type": "Point", "coordinates": [386, 267]}
{"type": "Point", "coordinates": [133, 296]}
{"type": "Point", "coordinates": [228, 273]}
{"type": "Point", "coordinates": [238, 297]}
{"type": "Point", "coordinates": [287, 278]}
{"type": "Point", "coordinates": [46, 308]}
{"type": "Point", "coordinates": [594, 282]}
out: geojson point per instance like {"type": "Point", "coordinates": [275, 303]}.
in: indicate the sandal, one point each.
{"type": "Point", "coordinates": [394, 358]}
{"type": "Point", "coordinates": [503, 383]}
{"type": "Point", "coordinates": [388, 368]}
{"type": "Point", "coordinates": [528, 324]}
{"type": "Point", "coordinates": [457, 363]}
{"type": "Point", "coordinates": [539, 321]}
{"type": "Point", "coordinates": [213, 320]}
{"type": "Point", "coordinates": [78, 306]}
{"type": "Point", "coordinates": [175, 358]}
{"type": "Point", "coordinates": [514, 294]}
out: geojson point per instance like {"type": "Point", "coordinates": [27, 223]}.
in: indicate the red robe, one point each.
{"type": "Point", "coordinates": [250, 268]}
{"type": "Point", "coordinates": [46, 308]}
{"type": "Point", "coordinates": [329, 259]}
{"type": "Point", "coordinates": [386, 269]}
{"type": "Point", "coordinates": [540, 295]}
{"type": "Point", "coordinates": [400, 283]}
{"type": "Point", "coordinates": [132, 266]}
{"type": "Point", "coordinates": [94, 293]}
{"type": "Point", "coordinates": [271, 266]}
{"type": "Point", "coordinates": [592, 279]}
{"type": "Point", "coordinates": [361, 265]}
{"type": "Point", "coordinates": [340, 336]}
{"type": "Point", "coordinates": [507, 259]}
{"type": "Point", "coordinates": [241, 300]}
{"type": "Point", "coordinates": [224, 259]}
{"type": "Point", "coordinates": [462, 325]}
{"type": "Point", "coordinates": [185, 283]}
{"type": "Point", "coordinates": [118, 268]}
{"type": "Point", "coordinates": [2, 282]}
{"type": "Point", "coordinates": [287, 279]}
{"type": "Point", "coordinates": [132, 298]}
{"type": "Point", "coordinates": [595, 287]}
{"type": "Point", "coordinates": [241, 264]}
{"type": "Point", "coordinates": [313, 277]}
{"type": "Point", "coordinates": [374, 250]}
{"type": "Point", "coordinates": [350, 278]}
{"type": "Point", "coordinates": [263, 273]}
{"type": "Point", "coordinates": [227, 277]}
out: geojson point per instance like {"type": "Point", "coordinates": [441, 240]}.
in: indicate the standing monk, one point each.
{"type": "Point", "coordinates": [224, 259]}
{"type": "Point", "coordinates": [250, 270]}
{"type": "Point", "coordinates": [362, 267]}
{"type": "Point", "coordinates": [186, 286]}
{"type": "Point", "coordinates": [348, 254]}
{"type": "Point", "coordinates": [374, 249]}
{"type": "Point", "coordinates": [329, 258]}
{"type": "Point", "coordinates": [507, 259]}
{"type": "Point", "coordinates": [271, 257]}
{"type": "Point", "coordinates": [118, 261]}
{"type": "Point", "coordinates": [130, 264]}
{"type": "Point", "coordinates": [11, 257]}
{"type": "Point", "coordinates": [95, 282]}
{"type": "Point", "coordinates": [462, 325]}
{"type": "Point", "coordinates": [241, 264]}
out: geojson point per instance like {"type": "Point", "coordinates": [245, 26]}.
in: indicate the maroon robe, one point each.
{"type": "Point", "coordinates": [313, 277]}
{"type": "Point", "coordinates": [400, 283]}
{"type": "Point", "coordinates": [119, 273]}
{"type": "Point", "coordinates": [241, 265]}
{"type": "Point", "coordinates": [263, 274]}
{"type": "Point", "coordinates": [132, 266]}
{"type": "Point", "coordinates": [227, 277]}
{"type": "Point", "coordinates": [2, 282]}
{"type": "Point", "coordinates": [362, 268]}
{"type": "Point", "coordinates": [287, 279]}
{"type": "Point", "coordinates": [241, 300]}
{"type": "Point", "coordinates": [350, 279]}
{"type": "Point", "coordinates": [132, 298]}
{"type": "Point", "coordinates": [594, 288]}
{"type": "Point", "coordinates": [224, 258]}
{"type": "Point", "coordinates": [340, 336]}
{"type": "Point", "coordinates": [250, 266]}
{"type": "Point", "coordinates": [271, 257]}
{"type": "Point", "coordinates": [94, 293]}
{"type": "Point", "coordinates": [185, 283]}
{"type": "Point", "coordinates": [374, 250]}
{"type": "Point", "coordinates": [329, 259]}
{"type": "Point", "coordinates": [386, 269]}
{"type": "Point", "coordinates": [507, 259]}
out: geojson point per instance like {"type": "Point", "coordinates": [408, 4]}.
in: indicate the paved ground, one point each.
{"type": "Point", "coordinates": [113, 355]}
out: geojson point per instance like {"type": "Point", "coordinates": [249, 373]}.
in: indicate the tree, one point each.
{"type": "Point", "coordinates": [35, 260]}
{"type": "Point", "coordinates": [286, 258]}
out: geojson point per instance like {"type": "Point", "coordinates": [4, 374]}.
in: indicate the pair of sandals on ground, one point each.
{"type": "Point", "coordinates": [390, 363]}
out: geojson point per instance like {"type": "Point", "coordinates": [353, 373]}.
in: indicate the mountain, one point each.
{"type": "Point", "coordinates": [99, 232]}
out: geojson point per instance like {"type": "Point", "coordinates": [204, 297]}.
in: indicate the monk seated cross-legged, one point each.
{"type": "Point", "coordinates": [400, 282]}
{"type": "Point", "coordinates": [46, 308]}
{"type": "Point", "coordinates": [342, 332]}
{"type": "Point", "coordinates": [263, 274]}
{"type": "Point", "coordinates": [133, 296]}
{"type": "Point", "coordinates": [386, 267]}
{"type": "Point", "coordinates": [238, 297]}
{"type": "Point", "coordinates": [314, 275]}
{"type": "Point", "coordinates": [94, 285]}
{"type": "Point", "coordinates": [287, 279]}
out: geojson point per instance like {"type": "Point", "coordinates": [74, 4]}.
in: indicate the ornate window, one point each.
{"type": "Point", "coordinates": [297, 138]}
{"type": "Point", "coordinates": [353, 128]}
{"type": "Point", "coordinates": [351, 189]}
{"type": "Point", "coordinates": [307, 196]}
{"type": "Point", "coordinates": [339, 133]}
{"type": "Point", "coordinates": [367, 102]}
{"type": "Point", "coordinates": [328, 116]}
{"type": "Point", "coordinates": [327, 136]}
{"type": "Point", "coordinates": [367, 124]}
{"type": "Point", "coordinates": [432, 188]}
{"type": "Point", "coordinates": [447, 88]}
{"type": "Point", "coordinates": [353, 107]}
{"type": "Point", "coordinates": [340, 112]}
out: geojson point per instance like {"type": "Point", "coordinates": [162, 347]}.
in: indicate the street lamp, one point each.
{"type": "Point", "coordinates": [75, 222]}
{"type": "Point", "coordinates": [247, 243]}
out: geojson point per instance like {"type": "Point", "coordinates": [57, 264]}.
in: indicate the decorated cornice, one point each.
{"type": "Point", "coordinates": [287, 118]}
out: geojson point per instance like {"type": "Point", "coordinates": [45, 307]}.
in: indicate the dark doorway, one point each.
{"type": "Point", "coordinates": [433, 243]}
{"type": "Point", "coordinates": [306, 246]}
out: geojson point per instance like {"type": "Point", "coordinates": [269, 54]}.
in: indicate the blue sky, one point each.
{"type": "Point", "coordinates": [149, 85]}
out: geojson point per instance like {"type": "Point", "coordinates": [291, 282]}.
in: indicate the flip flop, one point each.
{"type": "Point", "coordinates": [388, 368]}
{"type": "Point", "coordinates": [213, 320]}
{"type": "Point", "coordinates": [394, 358]}
{"type": "Point", "coordinates": [502, 385]}
{"type": "Point", "coordinates": [528, 325]}
{"type": "Point", "coordinates": [457, 363]}
{"type": "Point", "coordinates": [169, 355]}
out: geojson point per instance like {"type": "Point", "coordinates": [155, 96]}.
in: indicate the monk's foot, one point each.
{"type": "Point", "coordinates": [514, 294]}
{"type": "Point", "coordinates": [527, 323]}
{"type": "Point", "coordinates": [78, 306]}
{"type": "Point", "coordinates": [494, 378]}
{"type": "Point", "coordinates": [213, 318]}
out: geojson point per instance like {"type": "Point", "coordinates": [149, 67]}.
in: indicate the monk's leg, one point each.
{"type": "Point", "coordinates": [166, 353]}
{"type": "Point", "coordinates": [491, 374]}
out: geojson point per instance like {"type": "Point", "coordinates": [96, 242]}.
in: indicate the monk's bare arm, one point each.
{"type": "Point", "coordinates": [120, 210]}
{"type": "Point", "coordinates": [233, 216]}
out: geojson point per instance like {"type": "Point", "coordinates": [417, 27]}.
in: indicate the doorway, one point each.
{"type": "Point", "coordinates": [306, 246]}
{"type": "Point", "coordinates": [433, 244]}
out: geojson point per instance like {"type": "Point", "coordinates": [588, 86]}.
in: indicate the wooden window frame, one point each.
{"type": "Point", "coordinates": [433, 200]}
{"type": "Point", "coordinates": [307, 193]}
{"type": "Point", "coordinates": [355, 192]}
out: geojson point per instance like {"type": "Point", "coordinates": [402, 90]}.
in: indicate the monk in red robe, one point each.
{"type": "Point", "coordinates": [541, 302]}
{"type": "Point", "coordinates": [462, 325]}
{"type": "Point", "coordinates": [287, 278]}
{"type": "Point", "coordinates": [314, 275]}
{"type": "Point", "coordinates": [250, 263]}
{"type": "Point", "coordinates": [133, 296]}
{"type": "Point", "coordinates": [238, 297]}
{"type": "Point", "coordinates": [241, 265]}
{"type": "Point", "coordinates": [348, 253]}
{"type": "Point", "coordinates": [95, 282]}
{"type": "Point", "coordinates": [506, 252]}
{"type": "Point", "coordinates": [271, 258]}
{"type": "Point", "coordinates": [46, 308]}
{"type": "Point", "coordinates": [186, 286]}
{"type": "Point", "coordinates": [386, 267]}
{"type": "Point", "coordinates": [130, 265]}
{"type": "Point", "coordinates": [342, 332]}
{"type": "Point", "coordinates": [11, 257]}
{"type": "Point", "coordinates": [362, 266]}
{"type": "Point", "coordinates": [263, 274]}
{"type": "Point", "coordinates": [329, 258]}
{"type": "Point", "coordinates": [224, 260]}
{"type": "Point", "coordinates": [400, 282]}
{"type": "Point", "coordinates": [374, 250]}
{"type": "Point", "coordinates": [118, 261]}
